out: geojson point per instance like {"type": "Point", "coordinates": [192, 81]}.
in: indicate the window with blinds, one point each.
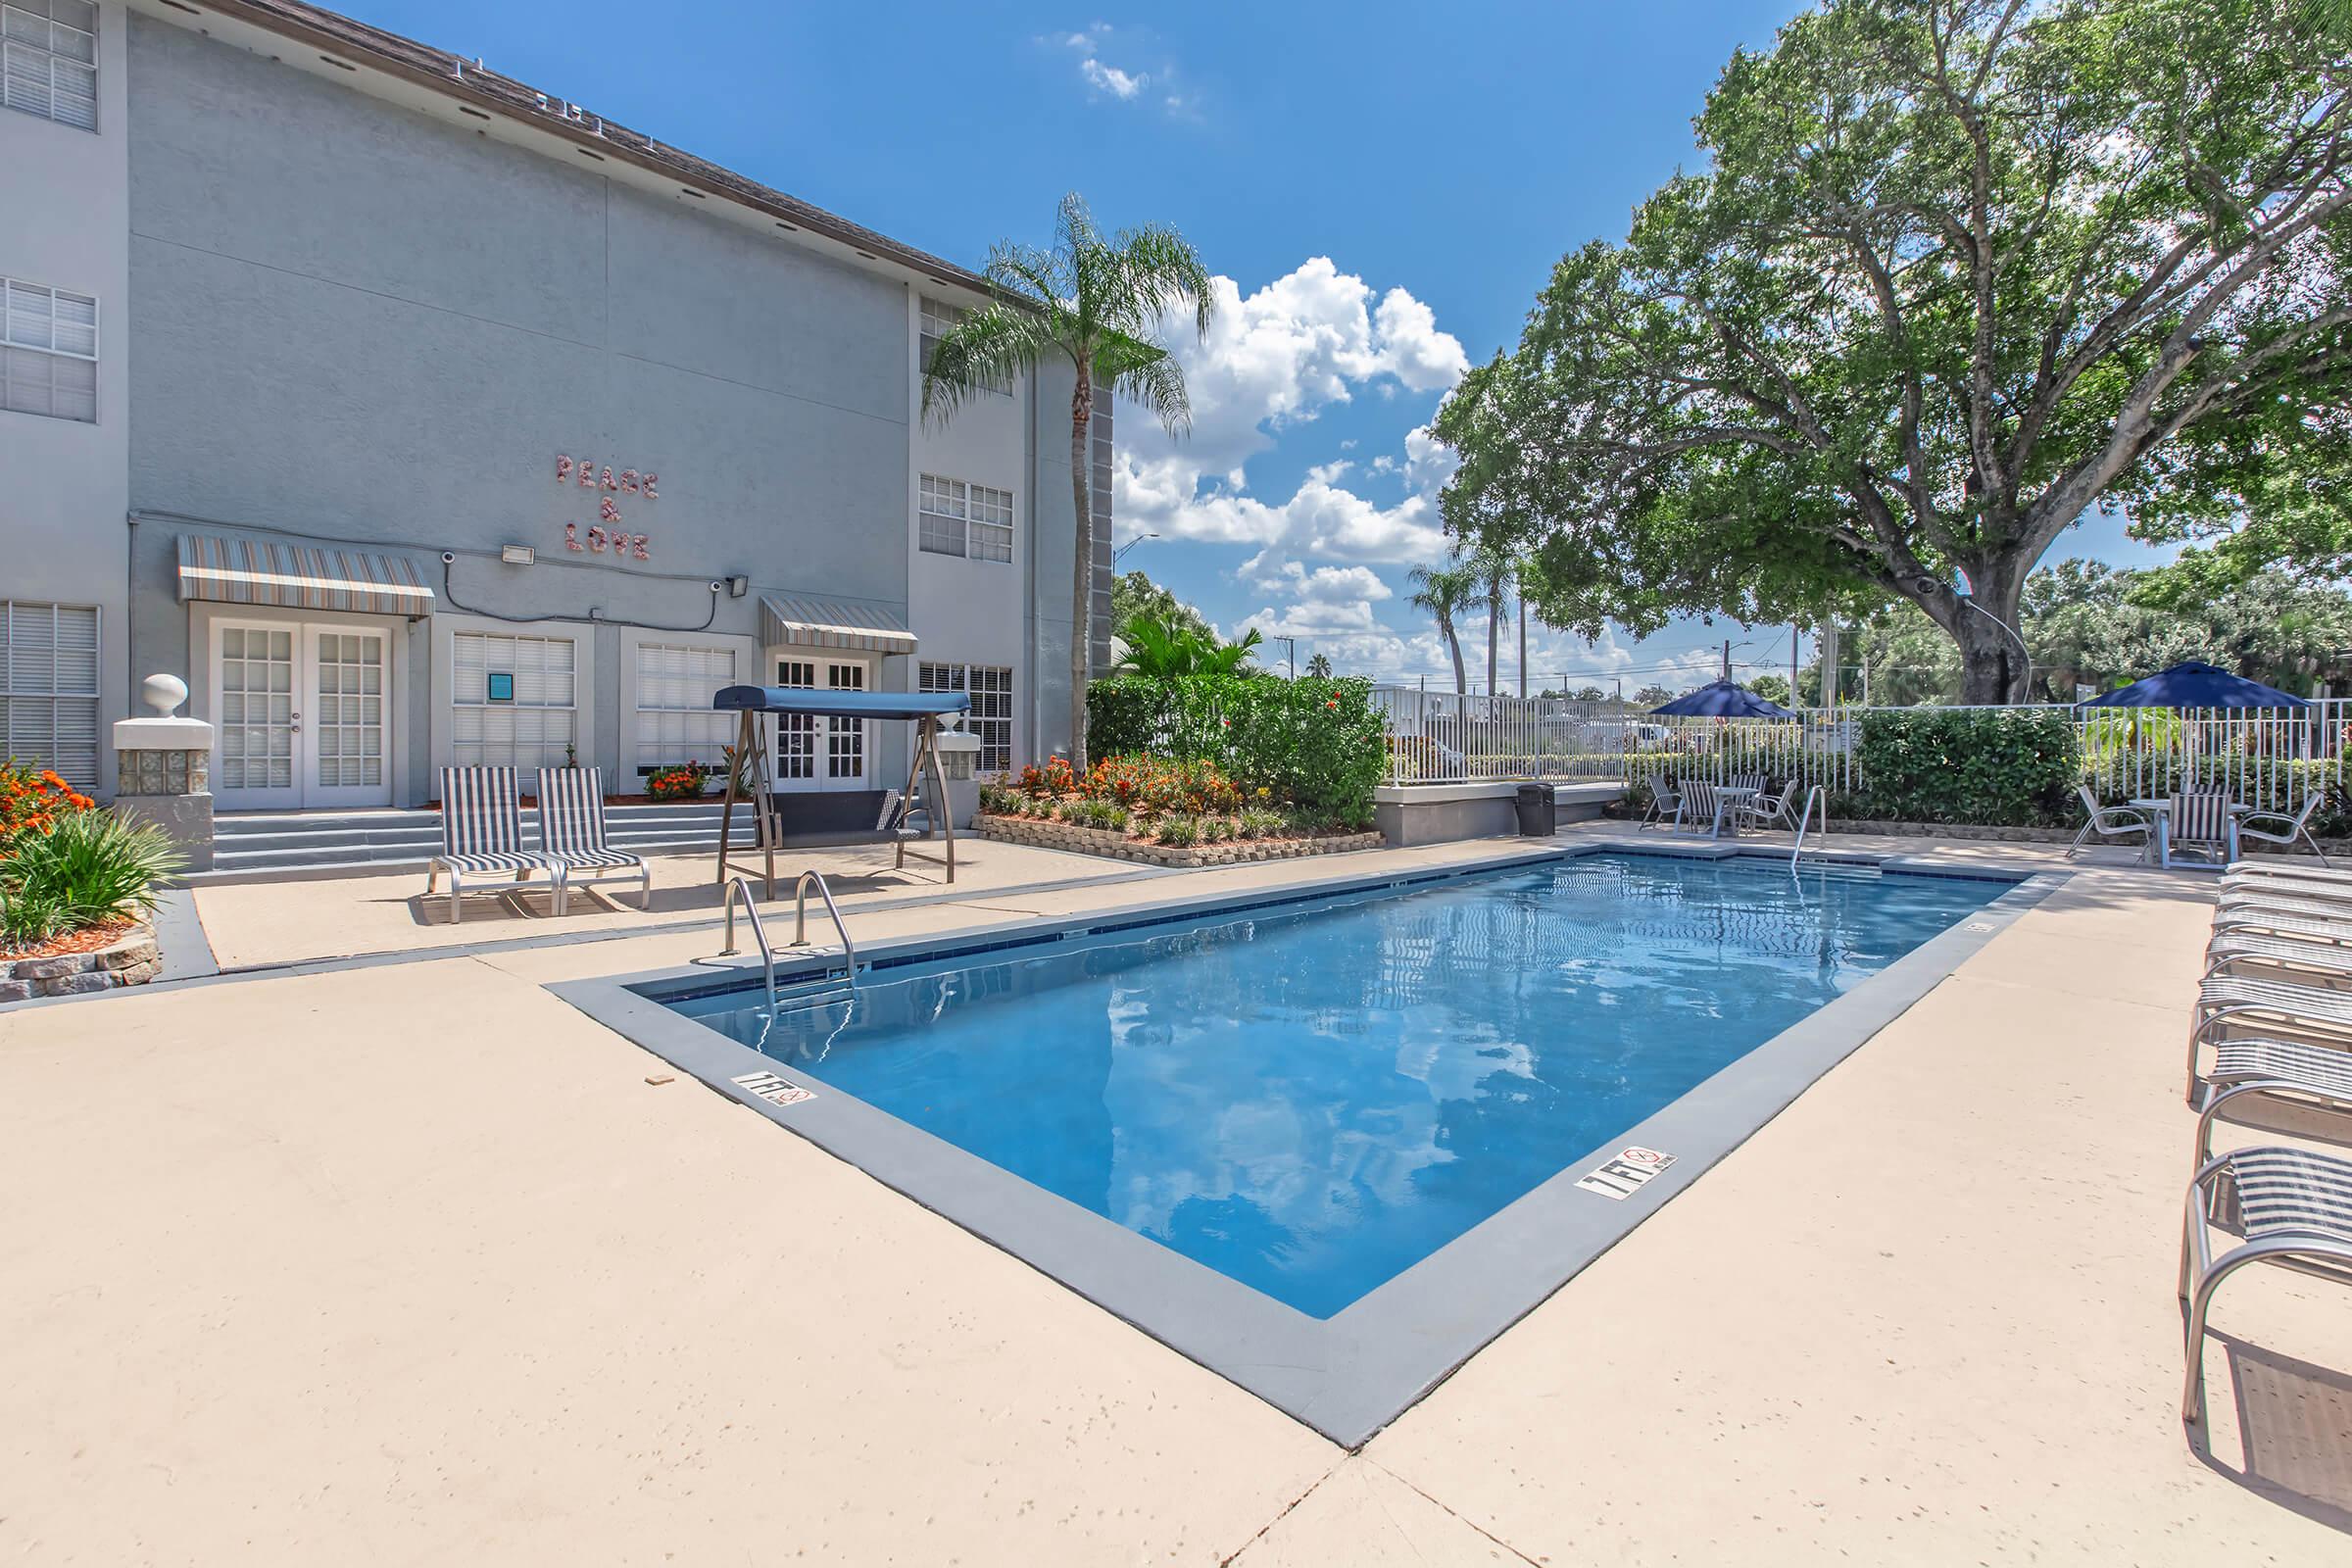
{"type": "Point", "coordinates": [49, 59]}
{"type": "Point", "coordinates": [956, 518]}
{"type": "Point", "coordinates": [990, 687]}
{"type": "Point", "coordinates": [48, 352]}
{"type": "Point", "coordinates": [533, 729]}
{"type": "Point", "coordinates": [676, 722]}
{"type": "Point", "coordinates": [49, 688]}
{"type": "Point", "coordinates": [939, 317]}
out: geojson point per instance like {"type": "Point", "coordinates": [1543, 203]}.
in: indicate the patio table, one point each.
{"type": "Point", "coordinates": [1725, 797]}
{"type": "Point", "coordinates": [2160, 810]}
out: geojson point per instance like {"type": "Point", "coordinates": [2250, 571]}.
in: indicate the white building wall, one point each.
{"type": "Point", "coordinates": [963, 611]}
{"type": "Point", "coordinates": [64, 484]}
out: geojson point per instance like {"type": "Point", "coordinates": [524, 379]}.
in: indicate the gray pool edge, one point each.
{"type": "Point", "coordinates": [1349, 1375]}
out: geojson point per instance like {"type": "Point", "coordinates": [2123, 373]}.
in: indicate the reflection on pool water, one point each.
{"type": "Point", "coordinates": [1311, 1098]}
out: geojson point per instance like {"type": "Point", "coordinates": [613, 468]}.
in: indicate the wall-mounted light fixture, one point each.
{"type": "Point", "coordinates": [738, 586]}
{"type": "Point", "coordinates": [518, 555]}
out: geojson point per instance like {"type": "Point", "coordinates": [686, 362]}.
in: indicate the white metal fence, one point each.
{"type": "Point", "coordinates": [2269, 759]}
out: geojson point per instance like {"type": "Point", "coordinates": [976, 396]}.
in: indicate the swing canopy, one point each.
{"type": "Point", "coordinates": [839, 705]}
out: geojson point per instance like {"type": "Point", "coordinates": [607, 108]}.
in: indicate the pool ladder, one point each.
{"type": "Point", "coordinates": [1816, 792]}
{"type": "Point", "coordinates": [826, 989]}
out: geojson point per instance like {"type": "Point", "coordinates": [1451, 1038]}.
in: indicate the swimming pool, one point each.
{"type": "Point", "coordinates": [1311, 1098]}
{"type": "Point", "coordinates": [1329, 1138]}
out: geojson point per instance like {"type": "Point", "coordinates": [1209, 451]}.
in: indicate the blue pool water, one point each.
{"type": "Point", "coordinates": [1310, 1098]}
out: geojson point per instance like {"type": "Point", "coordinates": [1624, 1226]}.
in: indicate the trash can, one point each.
{"type": "Point", "coordinates": [1539, 812]}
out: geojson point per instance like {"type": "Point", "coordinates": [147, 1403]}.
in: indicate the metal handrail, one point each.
{"type": "Point", "coordinates": [751, 906]}
{"type": "Point", "coordinates": [799, 920]}
{"type": "Point", "coordinates": [1816, 792]}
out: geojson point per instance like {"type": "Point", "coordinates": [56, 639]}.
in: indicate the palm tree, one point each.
{"type": "Point", "coordinates": [1318, 667]}
{"type": "Point", "coordinates": [1493, 572]}
{"type": "Point", "coordinates": [1445, 592]}
{"type": "Point", "coordinates": [1098, 302]}
{"type": "Point", "coordinates": [1167, 648]}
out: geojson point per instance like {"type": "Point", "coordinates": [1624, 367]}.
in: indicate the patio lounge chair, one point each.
{"type": "Point", "coordinates": [572, 829]}
{"type": "Point", "coordinates": [2257, 956]}
{"type": "Point", "coordinates": [1665, 800]}
{"type": "Point", "coordinates": [2273, 1069]}
{"type": "Point", "coordinates": [2293, 1209]}
{"type": "Point", "coordinates": [2302, 918]}
{"type": "Point", "coordinates": [2109, 823]}
{"type": "Point", "coordinates": [481, 835]}
{"type": "Point", "coordinates": [2279, 827]}
{"type": "Point", "coordinates": [2201, 820]}
{"type": "Point", "coordinates": [2285, 875]}
{"type": "Point", "coordinates": [2227, 1001]}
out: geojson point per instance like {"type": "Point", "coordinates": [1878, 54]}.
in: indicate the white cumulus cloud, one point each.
{"type": "Point", "coordinates": [1111, 79]}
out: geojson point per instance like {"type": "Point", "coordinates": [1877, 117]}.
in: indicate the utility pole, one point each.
{"type": "Point", "coordinates": [1793, 664]}
{"type": "Point", "coordinates": [1829, 651]}
{"type": "Point", "coordinates": [1727, 659]}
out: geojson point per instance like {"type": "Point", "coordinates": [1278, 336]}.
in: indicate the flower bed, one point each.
{"type": "Point", "coordinates": [75, 884]}
{"type": "Point", "coordinates": [1142, 807]}
{"type": "Point", "coordinates": [1119, 845]}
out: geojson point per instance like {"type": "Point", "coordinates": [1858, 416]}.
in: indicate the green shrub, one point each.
{"type": "Point", "coordinates": [90, 867]}
{"type": "Point", "coordinates": [1316, 744]}
{"type": "Point", "coordinates": [1179, 830]}
{"type": "Point", "coordinates": [1988, 767]}
{"type": "Point", "coordinates": [1258, 822]}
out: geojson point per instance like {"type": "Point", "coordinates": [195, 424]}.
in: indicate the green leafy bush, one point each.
{"type": "Point", "coordinates": [1179, 830]}
{"type": "Point", "coordinates": [90, 867]}
{"type": "Point", "coordinates": [1317, 743]}
{"type": "Point", "coordinates": [1987, 767]}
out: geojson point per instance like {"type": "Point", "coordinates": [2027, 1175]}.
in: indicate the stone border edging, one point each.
{"type": "Point", "coordinates": [130, 959]}
{"type": "Point", "coordinates": [1116, 846]}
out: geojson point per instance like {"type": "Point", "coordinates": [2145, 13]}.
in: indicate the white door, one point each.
{"type": "Point", "coordinates": [304, 714]}
{"type": "Point", "coordinates": [822, 754]}
{"type": "Point", "coordinates": [847, 761]}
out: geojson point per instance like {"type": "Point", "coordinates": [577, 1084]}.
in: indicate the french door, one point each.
{"type": "Point", "coordinates": [304, 715]}
{"type": "Point", "coordinates": [822, 754]}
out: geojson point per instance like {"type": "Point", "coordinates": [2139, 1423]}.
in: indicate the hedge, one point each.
{"type": "Point", "coordinates": [1985, 767]}
{"type": "Point", "coordinates": [1317, 743]}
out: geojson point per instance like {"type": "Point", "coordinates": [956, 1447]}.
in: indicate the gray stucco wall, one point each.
{"type": "Point", "coordinates": [359, 323]}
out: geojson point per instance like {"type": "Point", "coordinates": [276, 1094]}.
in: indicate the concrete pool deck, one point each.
{"type": "Point", "coordinates": [410, 1262]}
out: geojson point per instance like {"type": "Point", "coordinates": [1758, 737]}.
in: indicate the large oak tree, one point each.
{"type": "Point", "coordinates": [1958, 272]}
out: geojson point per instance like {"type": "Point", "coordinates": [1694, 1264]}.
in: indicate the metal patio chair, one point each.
{"type": "Point", "coordinates": [2110, 821]}
{"type": "Point", "coordinates": [2296, 878]}
{"type": "Point", "coordinates": [2292, 1208]}
{"type": "Point", "coordinates": [1700, 802]}
{"type": "Point", "coordinates": [572, 830]}
{"type": "Point", "coordinates": [2202, 821]}
{"type": "Point", "coordinates": [481, 835]}
{"type": "Point", "coordinates": [1665, 802]}
{"type": "Point", "coordinates": [2282, 828]}
{"type": "Point", "coordinates": [1767, 810]}
{"type": "Point", "coordinates": [2258, 956]}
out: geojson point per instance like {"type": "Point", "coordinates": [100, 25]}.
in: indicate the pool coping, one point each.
{"type": "Point", "coordinates": [1349, 1375]}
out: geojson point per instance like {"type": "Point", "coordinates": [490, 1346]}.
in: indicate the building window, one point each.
{"type": "Point", "coordinates": [957, 518]}
{"type": "Point", "coordinates": [48, 351]}
{"type": "Point", "coordinates": [49, 688]}
{"type": "Point", "coordinates": [537, 726]}
{"type": "Point", "coordinates": [795, 733]}
{"type": "Point", "coordinates": [845, 743]}
{"type": "Point", "coordinates": [990, 687]}
{"type": "Point", "coordinates": [938, 318]}
{"type": "Point", "coordinates": [49, 59]}
{"type": "Point", "coordinates": [676, 721]}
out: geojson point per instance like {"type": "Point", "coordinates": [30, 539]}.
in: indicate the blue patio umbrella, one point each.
{"type": "Point", "coordinates": [1722, 699]}
{"type": "Point", "coordinates": [2196, 685]}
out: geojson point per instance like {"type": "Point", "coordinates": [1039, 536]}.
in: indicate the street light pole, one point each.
{"type": "Point", "coordinates": [1129, 545]}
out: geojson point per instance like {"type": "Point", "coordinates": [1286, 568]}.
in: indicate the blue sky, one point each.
{"type": "Point", "coordinates": [1381, 187]}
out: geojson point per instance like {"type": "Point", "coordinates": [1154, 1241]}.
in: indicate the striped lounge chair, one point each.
{"type": "Point", "coordinates": [2291, 1207]}
{"type": "Point", "coordinates": [481, 836]}
{"type": "Point", "coordinates": [572, 830]}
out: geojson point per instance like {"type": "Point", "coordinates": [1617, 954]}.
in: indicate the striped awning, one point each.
{"type": "Point", "coordinates": [235, 570]}
{"type": "Point", "coordinates": [828, 623]}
